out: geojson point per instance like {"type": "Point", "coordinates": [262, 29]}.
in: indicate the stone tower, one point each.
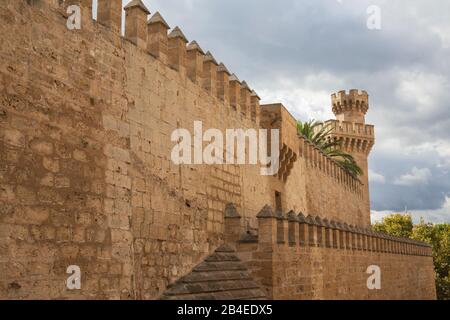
{"type": "Point", "coordinates": [357, 137]}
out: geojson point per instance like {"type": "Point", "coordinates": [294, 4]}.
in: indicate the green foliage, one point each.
{"type": "Point", "coordinates": [319, 134]}
{"type": "Point", "coordinates": [398, 225]}
{"type": "Point", "coordinates": [437, 235]}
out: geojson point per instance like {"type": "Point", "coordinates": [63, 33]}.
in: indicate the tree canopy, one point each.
{"type": "Point", "coordinates": [399, 225]}
{"type": "Point", "coordinates": [437, 235]}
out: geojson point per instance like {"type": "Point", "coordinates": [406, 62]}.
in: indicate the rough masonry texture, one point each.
{"type": "Point", "coordinates": [86, 177]}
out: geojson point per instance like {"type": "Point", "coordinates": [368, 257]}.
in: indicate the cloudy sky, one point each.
{"type": "Point", "coordinates": [299, 52]}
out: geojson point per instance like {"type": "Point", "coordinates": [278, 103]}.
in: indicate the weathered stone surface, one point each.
{"type": "Point", "coordinates": [86, 177]}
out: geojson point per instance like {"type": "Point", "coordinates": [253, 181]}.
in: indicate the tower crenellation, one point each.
{"type": "Point", "coordinates": [357, 138]}
{"type": "Point", "coordinates": [351, 106]}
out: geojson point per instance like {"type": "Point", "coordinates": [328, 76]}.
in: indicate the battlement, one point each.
{"type": "Point", "coordinates": [351, 128]}
{"type": "Point", "coordinates": [297, 229]}
{"type": "Point", "coordinates": [293, 146]}
{"type": "Point", "coordinates": [355, 137]}
{"type": "Point", "coordinates": [307, 254]}
{"type": "Point", "coordinates": [93, 121]}
{"type": "Point", "coordinates": [355, 98]}
{"type": "Point", "coordinates": [322, 162]}
{"type": "Point", "coordinates": [351, 106]}
{"type": "Point", "coordinates": [172, 48]}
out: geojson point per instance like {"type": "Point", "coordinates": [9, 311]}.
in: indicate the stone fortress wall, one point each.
{"type": "Point", "coordinates": [86, 178]}
{"type": "Point", "coordinates": [302, 257]}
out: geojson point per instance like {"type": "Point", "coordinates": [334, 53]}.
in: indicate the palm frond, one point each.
{"type": "Point", "coordinates": [319, 134]}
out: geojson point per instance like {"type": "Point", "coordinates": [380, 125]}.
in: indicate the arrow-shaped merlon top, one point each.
{"type": "Point", "coordinates": [158, 41]}
{"type": "Point", "coordinates": [178, 34]}
{"type": "Point", "coordinates": [231, 211]}
{"type": "Point", "coordinates": [195, 46]}
{"type": "Point", "coordinates": [255, 95]}
{"type": "Point", "coordinates": [177, 50]}
{"type": "Point", "coordinates": [210, 58]}
{"type": "Point", "coordinates": [194, 67]}
{"type": "Point", "coordinates": [137, 4]}
{"type": "Point", "coordinates": [233, 77]}
{"type": "Point", "coordinates": [246, 87]}
{"type": "Point", "coordinates": [157, 18]}
{"type": "Point", "coordinates": [223, 68]}
{"type": "Point", "coordinates": [266, 212]}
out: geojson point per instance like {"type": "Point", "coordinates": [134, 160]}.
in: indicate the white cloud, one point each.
{"type": "Point", "coordinates": [414, 178]}
{"type": "Point", "coordinates": [298, 55]}
{"type": "Point", "coordinates": [435, 216]}
{"type": "Point", "coordinates": [306, 98]}
{"type": "Point", "coordinates": [377, 216]}
{"type": "Point", "coordinates": [376, 177]}
{"type": "Point", "coordinates": [422, 91]}
{"type": "Point", "coordinates": [440, 149]}
{"type": "Point", "coordinates": [441, 215]}
{"type": "Point", "coordinates": [431, 17]}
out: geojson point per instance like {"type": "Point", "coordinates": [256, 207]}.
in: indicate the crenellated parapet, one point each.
{"type": "Point", "coordinates": [106, 157]}
{"type": "Point", "coordinates": [276, 229]}
{"type": "Point", "coordinates": [172, 48]}
{"type": "Point", "coordinates": [355, 137]}
{"type": "Point", "coordinates": [295, 256]}
{"type": "Point", "coordinates": [350, 127]}
{"type": "Point", "coordinates": [317, 159]}
{"type": "Point", "coordinates": [293, 147]}
{"type": "Point", "coordinates": [351, 106]}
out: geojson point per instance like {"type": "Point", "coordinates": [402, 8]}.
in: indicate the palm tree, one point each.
{"type": "Point", "coordinates": [319, 135]}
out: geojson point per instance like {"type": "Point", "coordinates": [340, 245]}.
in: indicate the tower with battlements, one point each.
{"type": "Point", "coordinates": [357, 137]}
{"type": "Point", "coordinates": [87, 177]}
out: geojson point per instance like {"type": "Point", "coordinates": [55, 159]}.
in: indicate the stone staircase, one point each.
{"type": "Point", "coordinates": [221, 276]}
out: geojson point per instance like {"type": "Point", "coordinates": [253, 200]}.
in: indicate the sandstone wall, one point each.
{"type": "Point", "coordinates": [298, 260]}
{"type": "Point", "coordinates": [321, 273]}
{"type": "Point", "coordinates": [86, 176]}
{"type": "Point", "coordinates": [53, 176]}
{"type": "Point", "coordinates": [315, 185]}
{"type": "Point", "coordinates": [326, 194]}
{"type": "Point", "coordinates": [86, 179]}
